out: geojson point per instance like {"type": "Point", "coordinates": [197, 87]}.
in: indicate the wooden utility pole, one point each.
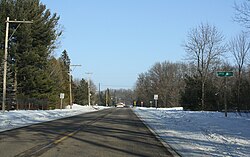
{"type": "Point", "coordinates": [70, 91]}
{"type": "Point", "coordinates": [70, 88]}
{"type": "Point", "coordinates": [107, 96]}
{"type": "Point", "coordinates": [99, 93]}
{"type": "Point", "coordinates": [89, 94]}
{"type": "Point", "coordinates": [6, 56]}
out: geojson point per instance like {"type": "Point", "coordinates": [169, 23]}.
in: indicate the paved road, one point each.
{"type": "Point", "coordinates": [106, 133]}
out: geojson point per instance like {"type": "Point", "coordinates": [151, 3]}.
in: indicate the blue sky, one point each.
{"type": "Point", "coordinates": [118, 39]}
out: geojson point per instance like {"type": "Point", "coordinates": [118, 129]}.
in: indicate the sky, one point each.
{"type": "Point", "coordinates": [116, 40]}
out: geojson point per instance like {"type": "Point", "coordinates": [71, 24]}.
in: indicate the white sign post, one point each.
{"type": "Point", "coordinates": [61, 97]}
{"type": "Point", "coordinates": [155, 98]}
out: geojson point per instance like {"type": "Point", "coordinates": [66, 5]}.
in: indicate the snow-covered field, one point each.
{"type": "Point", "coordinates": [200, 133]}
{"type": "Point", "coordinates": [15, 119]}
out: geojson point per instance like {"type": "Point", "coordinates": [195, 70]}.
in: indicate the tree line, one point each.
{"type": "Point", "coordinates": [34, 75]}
{"type": "Point", "coordinates": [194, 83]}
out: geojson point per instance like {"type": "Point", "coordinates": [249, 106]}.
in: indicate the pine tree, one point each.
{"type": "Point", "coordinates": [108, 97]}
{"type": "Point", "coordinates": [56, 76]}
{"type": "Point", "coordinates": [31, 46]}
{"type": "Point", "coordinates": [81, 93]}
{"type": "Point", "coordinates": [65, 67]}
{"type": "Point", "coordinates": [10, 90]}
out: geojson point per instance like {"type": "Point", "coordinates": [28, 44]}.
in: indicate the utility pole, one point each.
{"type": "Point", "coordinates": [89, 94]}
{"type": "Point", "coordinates": [6, 56]}
{"type": "Point", "coordinates": [99, 93]}
{"type": "Point", "coordinates": [70, 91]}
{"type": "Point", "coordinates": [106, 97]}
{"type": "Point", "coordinates": [70, 88]}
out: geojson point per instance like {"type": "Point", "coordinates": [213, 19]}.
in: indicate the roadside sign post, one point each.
{"type": "Point", "coordinates": [225, 74]}
{"type": "Point", "coordinates": [151, 102]}
{"type": "Point", "coordinates": [134, 103]}
{"type": "Point", "coordinates": [141, 103]}
{"type": "Point", "coordinates": [155, 98]}
{"type": "Point", "coordinates": [61, 97]}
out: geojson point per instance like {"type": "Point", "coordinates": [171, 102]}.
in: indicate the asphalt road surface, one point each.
{"type": "Point", "coordinates": [112, 132]}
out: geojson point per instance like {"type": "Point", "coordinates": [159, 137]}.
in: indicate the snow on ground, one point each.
{"type": "Point", "coordinates": [200, 133]}
{"type": "Point", "coordinates": [14, 119]}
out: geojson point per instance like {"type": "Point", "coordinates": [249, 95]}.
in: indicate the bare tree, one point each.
{"type": "Point", "coordinates": [144, 90]}
{"type": "Point", "coordinates": [243, 13]}
{"type": "Point", "coordinates": [204, 47]}
{"type": "Point", "coordinates": [239, 47]}
{"type": "Point", "coordinates": [165, 79]}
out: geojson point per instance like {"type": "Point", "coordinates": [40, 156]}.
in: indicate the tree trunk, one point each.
{"type": "Point", "coordinates": [203, 95]}
{"type": "Point", "coordinates": [238, 97]}
{"type": "Point", "coordinates": [238, 92]}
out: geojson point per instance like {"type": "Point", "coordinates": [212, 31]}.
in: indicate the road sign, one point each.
{"type": "Point", "coordinates": [155, 97]}
{"type": "Point", "coordinates": [61, 95]}
{"type": "Point", "coordinates": [225, 73]}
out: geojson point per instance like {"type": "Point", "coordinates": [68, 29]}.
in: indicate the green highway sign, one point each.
{"type": "Point", "coordinates": [225, 73]}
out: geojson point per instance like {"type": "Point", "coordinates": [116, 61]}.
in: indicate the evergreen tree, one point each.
{"type": "Point", "coordinates": [107, 97]}
{"type": "Point", "coordinates": [65, 60]}
{"type": "Point", "coordinates": [101, 97]}
{"type": "Point", "coordinates": [10, 90]}
{"type": "Point", "coordinates": [81, 93]}
{"type": "Point", "coordinates": [31, 46]}
{"type": "Point", "coordinates": [65, 69]}
{"type": "Point", "coordinates": [191, 96]}
{"type": "Point", "coordinates": [56, 76]}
